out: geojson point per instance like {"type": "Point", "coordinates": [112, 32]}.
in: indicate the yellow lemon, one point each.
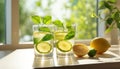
{"type": "Point", "coordinates": [80, 50]}
{"type": "Point", "coordinates": [101, 45]}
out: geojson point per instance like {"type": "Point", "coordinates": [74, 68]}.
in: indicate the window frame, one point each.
{"type": "Point", "coordinates": [12, 27]}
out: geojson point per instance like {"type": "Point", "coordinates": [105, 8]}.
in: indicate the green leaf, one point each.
{"type": "Point", "coordinates": [58, 23]}
{"type": "Point", "coordinates": [47, 19]}
{"type": "Point", "coordinates": [36, 19]}
{"type": "Point", "coordinates": [109, 29]}
{"type": "Point", "coordinates": [69, 26]}
{"type": "Point", "coordinates": [107, 5]}
{"type": "Point", "coordinates": [116, 15]}
{"type": "Point", "coordinates": [109, 21]}
{"type": "Point", "coordinates": [101, 5]}
{"type": "Point", "coordinates": [36, 40]}
{"type": "Point", "coordinates": [117, 19]}
{"type": "Point", "coordinates": [70, 35]}
{"type": "Point", "coordinates": [118, 25]}
{"type": "Point", "coordinates": [47, 37]}
{"type": "Point", "coordinates": [44, 29]}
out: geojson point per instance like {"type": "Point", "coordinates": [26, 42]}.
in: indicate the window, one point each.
{"type": "Point", "coordinates": [2, 21]}
{"type": "Point", "coordinates": [12, 26]}
{"type": "Point", "coordinates": [73, 11]}
{"type": "Point", "coordinates": [19, 25]}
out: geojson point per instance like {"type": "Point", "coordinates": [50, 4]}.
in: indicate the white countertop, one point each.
{"type": "Point", "coordinates": [24, 59]}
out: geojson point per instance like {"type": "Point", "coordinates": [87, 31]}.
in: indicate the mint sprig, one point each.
{"type": "Point", "coordinates": [44, 29]}
{"type": "Point", "coordinates": [47, 37]}
{"type": "Point", "coordinates": [70, 35]}
{"type": "Point", "coordinates": [58, 23]}
{"type": "Point", "coordinates": [36, 19]}
{"type": "Point", "coordinates": [36, 40]}
{"type": "Point", "coordinates": [47, 19]}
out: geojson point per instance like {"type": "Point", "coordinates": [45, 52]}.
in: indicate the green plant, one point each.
{"type": "Point", "coordinates": [111, 12]}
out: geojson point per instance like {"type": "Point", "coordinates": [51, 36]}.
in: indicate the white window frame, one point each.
{"type": "Point", "coordinates": [12, 27]}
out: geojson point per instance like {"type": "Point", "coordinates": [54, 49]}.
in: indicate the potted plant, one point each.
{"type": "Point", "coordinates": [112, 18]}
{"type": "Point", "coordinates": [110, 14]}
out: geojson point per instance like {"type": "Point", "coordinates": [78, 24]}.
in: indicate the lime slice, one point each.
{"type": "Point", "coordinates": [43, 47]}
{"type": "Point", "coordinates": [60, 35]}
{"type": "Point", "coordinates": [64, 46]}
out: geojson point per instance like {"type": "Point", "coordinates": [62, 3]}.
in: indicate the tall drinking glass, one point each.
{"type": "Point", "coordinates": [43, 40]}
{"type": "Point", "coordinates": [64, 40]}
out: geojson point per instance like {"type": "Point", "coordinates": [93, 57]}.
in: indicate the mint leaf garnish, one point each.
{"type": "Point", "coordinates": [36, 19]}
{"type": "Point", "coordinates": [47, 37]}
{"type": "Point", "coordinates": [47, 19]}
{"type": "Point", "coordinates": [58, 23]}
{"type": "Point", "coordinates": [70, 35]}
{"type": "Point", "coordinates": [69, 26]}
{"type": "Point", "coordinates": [36, 40]}
{"type": "Point", "coordinates": [44, 29]}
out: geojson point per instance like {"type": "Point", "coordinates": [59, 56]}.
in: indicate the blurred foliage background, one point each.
{"type": "Point", "coordinates": [2, 21]}
{"type": "Point", "coordinates": [68, 11]}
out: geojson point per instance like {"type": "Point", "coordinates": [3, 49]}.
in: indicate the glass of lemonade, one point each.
{"type": "Point", "coordinates": [43, 40]}
{"type": "Point", "coordinates": [64, 40]}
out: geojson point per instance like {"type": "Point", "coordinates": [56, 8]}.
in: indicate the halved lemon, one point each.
{"type": "Point", "coordinates": [43, 47]}
{"type": "Point", "coordinates": [64, 46]}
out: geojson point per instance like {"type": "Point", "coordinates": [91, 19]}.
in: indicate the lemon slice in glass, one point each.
{"type": "Point", "coordinates": [60, 35]}
{"type": "Point", "coordinates": [64, 46]}
{"type": "Point", "coordinates": [43, 47]}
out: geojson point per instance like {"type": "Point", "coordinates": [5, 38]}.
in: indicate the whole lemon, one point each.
{"type": "Point", "coordinates": [80, 50]}
{"type": "Point", "coordinates": [101, 45]}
